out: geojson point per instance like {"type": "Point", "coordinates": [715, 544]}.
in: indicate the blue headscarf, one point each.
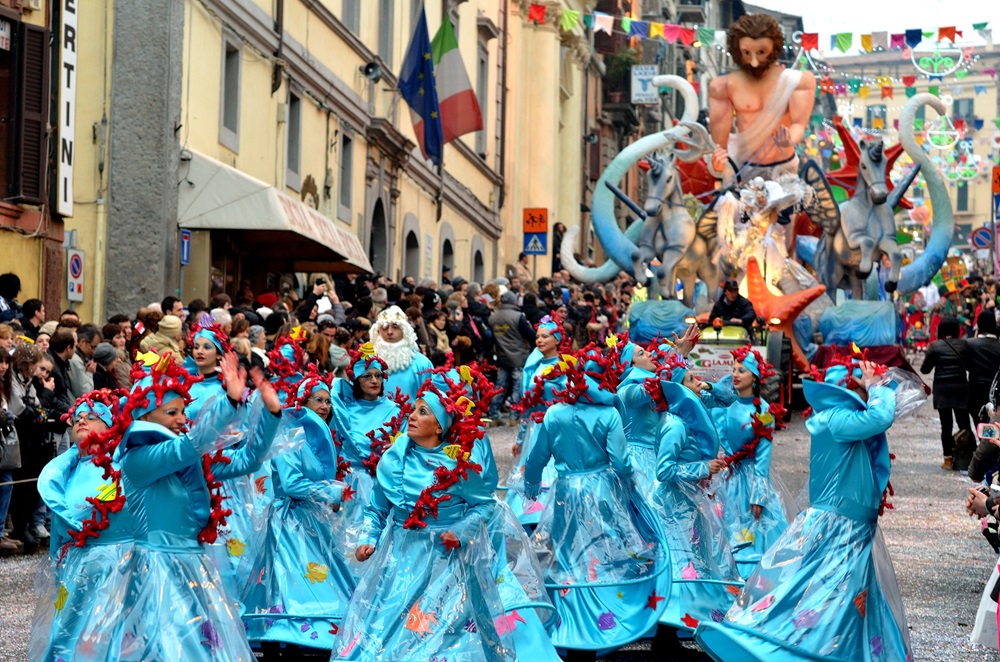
{"type": "Point", "coordinates": [99, 409]}
{"type": "Point", "coordinates": [433, 401]}
{"type": "Point", "coordinates": [317, 386]}
{"type": "Point", "coordinates": [550, 325]}
{"type": "Point", "coordinates": [751, 364]}
{"type": "Point", "coordinates": [208, 335]}
{"type": "Point", "coordinates": [150, 402]}
{"type": "Point", "coordinates": [832, 391]}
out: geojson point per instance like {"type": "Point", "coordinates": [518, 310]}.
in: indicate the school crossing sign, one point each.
{"type": "Point", "coordinates": [536, 230]}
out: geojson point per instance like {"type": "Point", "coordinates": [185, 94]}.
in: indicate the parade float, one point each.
{"type": "Point", "coordinates": [793, 235]}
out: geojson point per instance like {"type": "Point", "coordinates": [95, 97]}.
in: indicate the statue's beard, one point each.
{"type": "Point", "coordinates": [757, 72]}
{"type": "Point", "coordinates": [398, 355]}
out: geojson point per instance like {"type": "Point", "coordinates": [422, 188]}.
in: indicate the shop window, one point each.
{"type": "Point", "coordinates": [346, 177]}
{"type": "Point", "coordinates": [229, 115]}
{"type": "Point", "coordinates": [24, 107]}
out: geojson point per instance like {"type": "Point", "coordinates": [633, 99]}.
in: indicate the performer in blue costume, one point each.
{"type": "Point", "coordinates": [174, 605]}
{"type": "Point", "coordinates": [79, 577]}
{"type": "Point", "coordinates": [605, 564]}
{"type": "Point", "coordinates": [208, 345]}
{"type": "Point", "coordinates": [372, 420]}
{"type": "Point", "coordinates": [536, 392]}
{"type": "Point", "coordinates": [826, 589]}
{"type": "Point", "coordinates": [300, 581]}
{"type": "Point", "coordinates": [395, 342]}
{"type": "Point", "coordinates": [673, 444]}
{"type": "Point", "coordinates": [752, 498]}
{"type": "Point", "coordinates": [436, 588]}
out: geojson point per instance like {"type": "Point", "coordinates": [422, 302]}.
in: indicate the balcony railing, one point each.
{"type": "Point", "coordinates": [691, 11]}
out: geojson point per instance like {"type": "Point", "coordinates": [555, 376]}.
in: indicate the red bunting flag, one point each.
{"type": "Point", "coordinates": [536, 13]}
{"type": "Point", "coordinates": [909, 80]}
{"type": "Point", "coordinates": [887, 91]}
{"type": "Point", "coordinates": [810, 41]}
{"type": "Point", "coordinates": [687, 36]}
{"type": "Point", "coordinates": [948, 33]}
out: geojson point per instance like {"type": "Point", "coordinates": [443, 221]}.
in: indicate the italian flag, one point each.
{"type": "Point", "coordinates": [460, 112]}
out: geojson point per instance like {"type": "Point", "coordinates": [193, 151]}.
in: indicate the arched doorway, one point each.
{"type": "Point", "coordinates": [378, 245]}
{"type": "Point", "coordinates": [447, 255]}
{"type": "Point", "coordinates": [411, 255]}
{"type": "Point", "coordinates": [478, 268]}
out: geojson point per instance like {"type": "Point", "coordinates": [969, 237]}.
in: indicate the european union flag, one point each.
{"type": "Point", "coordinates": [416, 83]}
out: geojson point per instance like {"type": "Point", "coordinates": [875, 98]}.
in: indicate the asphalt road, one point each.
{"type": "Point", "coordinates": [941, 559]}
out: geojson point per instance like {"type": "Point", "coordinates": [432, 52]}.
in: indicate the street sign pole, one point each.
{"type": "Point", "coordinates": [996, 216]}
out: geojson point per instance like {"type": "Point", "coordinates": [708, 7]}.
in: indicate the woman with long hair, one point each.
{"type": "Point", "coordinates": [10, 452]}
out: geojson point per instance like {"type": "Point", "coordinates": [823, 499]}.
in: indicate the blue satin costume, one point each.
{"type": "Point", "coordinates": [826, 589]}
{"type": "Point", "coordinates": [174, 605]}
{"type": "Point", "coordinates": [83, 581]}
{"type": "Point", "coordinates": [602, 550]}
{"type": "Point", "coordinates": [748, 483]}
{"type": "Point", "coordinates": [300, 580]}
{"type": "Point", "coordinates": [410, 378]}
{"type": "Point", "coordinates": [528, 513]}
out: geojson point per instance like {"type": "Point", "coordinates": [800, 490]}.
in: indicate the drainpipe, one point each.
{"type": "Point", "coordinates": [279, 28]}
{"type": "Point", "coordinates": [504, 18]}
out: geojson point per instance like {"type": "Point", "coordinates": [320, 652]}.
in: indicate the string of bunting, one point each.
{"type": "Point", "coordinates": [569, 19]}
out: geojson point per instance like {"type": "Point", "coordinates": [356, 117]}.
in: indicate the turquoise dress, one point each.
{"type": "Point", "coordinates": [598, 541]}
{"type": "Point", "coordinates": [751, 482]}
{"type": "Point", "coordinates": [357, 418]}
{"type": "Point", "coordinates": [529, 512]}
{"type": "Point", "coordinates": [300, 580]}
{"type": "Point", "coordinates": [84, 581]}
{"type": "Point", "coordinates": [173, 605]}
{"type": "Point", "coordinates": [241, 493]}
{"type": "Point", "coordinates": [826, 589]}
{"type": "Point", "coordinates": [418, 601]}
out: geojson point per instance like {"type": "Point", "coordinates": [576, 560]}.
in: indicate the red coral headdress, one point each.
{"type": "Point", "coordinates": [467, 400]}
{"type": "Point", "coordinates": [365, 353]}
{"type": "Point", "coordinates": [302, 392]}
{"type": "Point", "coordinates": [214, 333]}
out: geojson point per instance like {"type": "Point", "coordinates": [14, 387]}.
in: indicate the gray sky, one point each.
{"type": "Point", "coordinates": [864, 16]}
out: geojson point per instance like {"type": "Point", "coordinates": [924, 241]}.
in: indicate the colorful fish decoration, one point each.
{"type": "Point", "coordinates": [508, 622]}
{"type": "Point", "coordinates": [606, 621]}
{"type": "Point", "coordinates": [806, 618]}
{"type": "Point", "coordinates": [689, 571]}
{"type": "Point", "coordinates": [860, 601]}
{"type": "Point", "coordinates": [419, 621]}
{"type": "Point", "coordinates": [732, 590]}
{"type": "Point", "coordinates": [876, 644]}
{"type": "Point", "coordinates": [452, 451]}
{"type": "Point", "coordinates": [764, 604]}
{"type": "Point", "coordinates": [690, 622]}
{"type": "Point", "coordinates": [470, 626]}
{"type": "Point", "coordinates": [316, 573]}
{"type": "Point", "coordinates": [717, 615]}
{"type": "Point", "coordinates": [107, 492]}
{"type": "Point", "coordinates": [211, 636]}
{"type": "Point", "coordinates": [61, 595]}
{"type": "Point", "coordinates": [592, 569]}
{"type": "Point", "coordinates": [654, 600]}
{"type": "Point", "coordinates": [236, 547]}
{"type": "Point", "coordinates": [258, 485]}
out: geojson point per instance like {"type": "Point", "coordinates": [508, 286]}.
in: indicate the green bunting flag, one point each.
{"type": "Point", "coordinates": [844, 41]}
{"type": "Point", "coordinates": [588, 21]}
{"type": "Point", "coordinates": [626, 24]}
{"type": "Point", "coordinates": [910, 91]}
{"type": "Point", "coordinates": [935, 90]}
{"type": "Point", "coordinates": [980, 26]}
{"type": "Point", "coordinates": [854, 84]}
{"type": "Point", "coordinates": [569, 19]}
{"type": "Point", "coordinates": [996, 122]}
{"type": "Point", "coordinates": [706, 36]}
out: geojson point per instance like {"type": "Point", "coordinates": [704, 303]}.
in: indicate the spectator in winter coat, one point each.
{"type": "Point", "coordinates": [984, 363]}
{"type": "Point", "coordinates": [948, 357]}
{"type": "Point", "coordinates": [513, 337]}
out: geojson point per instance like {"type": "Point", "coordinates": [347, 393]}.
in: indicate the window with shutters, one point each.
{"type": "Point", "coordinates": [229, 106]}
{"type": "Point", "coordinates": [293, 147]}
{"type": "Point", "coordinates": [346, 177]}
{"type": "Point", "coordinates": [387, 15]}
{"type": "Point", "coordinates": [24, 112]}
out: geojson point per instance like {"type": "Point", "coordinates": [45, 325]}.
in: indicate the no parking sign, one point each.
{"type": "Point", "coordinates": [74, 274]}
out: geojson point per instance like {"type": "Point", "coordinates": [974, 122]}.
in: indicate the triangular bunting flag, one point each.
{"type": "Point", "coordinates": [910, 92]}
{"type": "Point", "coordinates": [671, 32]}
{"type": "Point", "coordinates": [898, 41]}
{"type": "Point", "coordinates": [588, 21]}
{"type": "Point", "coordinates": [957, 90]}
{"type": "Point", "coordinates": [935, 79]}
{"type": "Point", "coordinates": [996, 122]}
{"type": "Point", "coordinates": [639, 29]}
{"type": "Point", "coordinates": [948, 33]}
{"type": "Point", "coordinates": [979, 89]}
{"type": "Point", "coordinates": [961, 73]}
{"type": "Point", "coordinates": [880, 41]}
{"type": "Point", "coordinates": [854, 84]}
{"type": "Point", "coordinates": [705, 35]}
{"type": "Point", "coordinates": [866, 43]}
{"type": "Point", "coordinates": [844, 41]}
{"type": "Point", "coordinates": [569, 19]}
{"type": "Point", "coordinates": [978, 123]}
{"type": "Point", "coordinates": [918, 124]}
{"type": "Point", "coordinates": [833, 42]}
{"type": "Point", "coordinates": [914, 37]}
{"type": "Point", "coordinates": [928, 34]}
{"type": "Point", "coordinates": [720, 38]}
{"type": "Point", "coordinates": [935, 90]}
{"type": "Point", "coordinates": [887, 91]}
{"type": "Point", "coordinates": [878, 123]}
{"type": "Point", "coordinates": [986, 34]}
{"type": "Point", "coordinates": [840, 89]}
{"type": "Point", "coordinates": [909, 80]}
{"type": "Point", "coordinates": [980, 26]}
{"type": "Point", "coordinates": [810, 41]}
{"type": "Point", "coordinates": [656, 30]}
{"type": "Point", "coordinates": [603, 22]}
{"type": "Point", "coordinates": [536, 13]}
{"type": "Point", "coordinates": [687, 36]}
{"type": "Point", "coordinates": [863, 91]}
{"type": "Point", "coordinates": [626, 24]}
{"type": "Point", "coordinates": [990, 72]}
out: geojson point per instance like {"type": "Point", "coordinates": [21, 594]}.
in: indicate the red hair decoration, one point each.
{"type": "Point", "coordinates": [467, 400]}
{"type": "Point", "coordinates": [370, 359]}
{"type": "Point", "coordinates": [384, 436]}
{"type": "Point", "coordinates": [217, 332]}
{"type": "Point", "coordinates": [302, 392]}
{"type": "Point", "coordinates": [286, 371]}
{"type": "Point", "coordinates": [101, 447]}
{"type": "Point", "coordinates": [761, 423]}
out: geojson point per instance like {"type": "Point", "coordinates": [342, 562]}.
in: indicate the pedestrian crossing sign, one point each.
{"type": "Point", "coordinates": [535, 243]}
